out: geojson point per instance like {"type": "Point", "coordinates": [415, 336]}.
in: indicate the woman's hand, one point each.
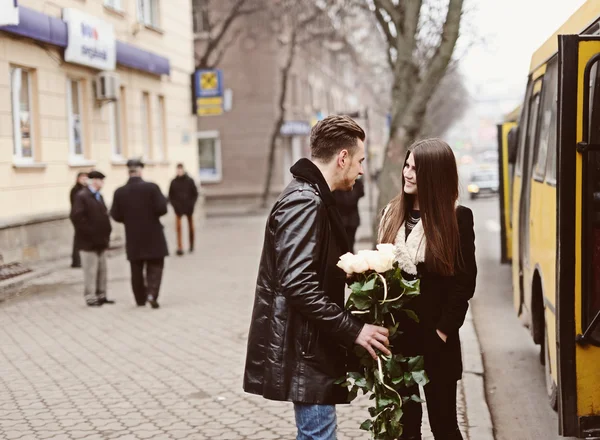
{"type": "Point", "coordinates": [442, 336]}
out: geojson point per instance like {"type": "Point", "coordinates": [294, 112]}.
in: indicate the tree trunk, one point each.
{"type": "Point", "coordinates": [285, 71]}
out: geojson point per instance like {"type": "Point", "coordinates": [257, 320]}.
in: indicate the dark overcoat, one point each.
{"type": "Point", "coordinates": [91, 220]}
{"type": "Point", "coordinates": [139, 205]}
{"type": "Point", "coordinates": [183, 194]}
{"type": "Point", "coordinates": [442, 305]}
{"type": "Point", "coordinates": [300, 332]}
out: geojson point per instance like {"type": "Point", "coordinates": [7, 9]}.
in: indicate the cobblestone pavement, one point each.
{"type": "Point", "coordinates": [68, 371]}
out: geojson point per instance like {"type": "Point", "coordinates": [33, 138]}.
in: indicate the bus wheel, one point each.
{"type": "Point", "coordinates": [551, 388]}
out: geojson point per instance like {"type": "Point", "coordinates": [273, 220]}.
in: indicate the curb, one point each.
{"type": "Point", "coordinates": [480, 426]}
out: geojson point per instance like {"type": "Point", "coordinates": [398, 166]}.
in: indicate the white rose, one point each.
{"type": "Point", "coordinates": [386, 248]}
{"type": "Point", "coordinates": [358, 263]}
{"type": "Point", "coordinates": [345, 262]}
{"type": "Point", "coordinates": [378, 261]}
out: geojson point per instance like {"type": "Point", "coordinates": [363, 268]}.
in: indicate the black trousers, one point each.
{"type": "Point", "coordinates": [440, 396]}
{"type": "Point", "coordinates": [146, 285]}
{"type": "Point", "coordinates": [75, 257]}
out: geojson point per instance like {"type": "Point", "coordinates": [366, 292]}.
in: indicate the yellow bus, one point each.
{"type": "Point", "coordinates": [551, 216]}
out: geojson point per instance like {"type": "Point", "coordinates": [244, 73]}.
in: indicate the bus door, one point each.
{"type": "Point", "coordinates": [578, 230]}
{"type": "Point", "coordinates": [507, 152]}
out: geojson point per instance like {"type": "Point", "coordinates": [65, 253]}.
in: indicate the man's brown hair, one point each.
{"type": "Point", "coordinates": [333, 134]}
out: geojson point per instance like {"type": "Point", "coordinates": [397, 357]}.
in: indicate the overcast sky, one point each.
{"type": "Point", "coordinates": [496, 67]}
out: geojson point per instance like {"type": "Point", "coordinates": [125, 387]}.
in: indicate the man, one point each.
{"type": "Point", "coordinates": [80, 183]}
{"type": "Point", "coordinates": [347, 203]}
{"type": "Point", "coordinates": [92, 228]}
{"type": "Point", "coordinates": [183, 195]}
{"type": "Point", "coordinates": [139, 205]}
{"type": "Point", "coordinates": [300, 333]}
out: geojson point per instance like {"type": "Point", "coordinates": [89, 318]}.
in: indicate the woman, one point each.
{"type": "Point", "coordinates": [434, 242]}
{"type": "Point", "coordinates": [80, 183]}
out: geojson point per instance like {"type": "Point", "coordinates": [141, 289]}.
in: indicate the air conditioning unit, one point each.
{"type": "Point", "coordinates": [107, 86]}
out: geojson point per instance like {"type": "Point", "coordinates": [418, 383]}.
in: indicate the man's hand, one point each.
{"type": "Point", "coordinates": [443, 336]}
{"type": "Point", "coordinates": [373, 337]}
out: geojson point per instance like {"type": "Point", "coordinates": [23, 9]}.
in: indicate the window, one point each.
{"type": "Point", "coordinates": [113, 4]}
{"type": "Point", "coordinates": [148, 12]}
{"type": "Point", "coordinates": [146, 143]}
{"type": "Point", "coordinates": [547, 138]}
{"type": "Point", "coordinates": [161, 128]}
{"type": "Point", "coordinates": [114, 116]}
{"type": "Point", "coordinates": [209, 154]}
{"type": "Point", "coordinates": [523, 133]}
{"type": "Point", "coordinates": [201, 19]}
{"type": "Point", "coordinates": [75, 118]}
{"type": "Point", "coordinates": [22, 114]}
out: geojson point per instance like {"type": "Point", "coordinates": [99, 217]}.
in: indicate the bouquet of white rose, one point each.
{"type": "Point", "coordinates": [379, 296]}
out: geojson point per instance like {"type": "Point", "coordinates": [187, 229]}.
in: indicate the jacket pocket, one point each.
{"type": "Point", "coordinates": [309, 339]}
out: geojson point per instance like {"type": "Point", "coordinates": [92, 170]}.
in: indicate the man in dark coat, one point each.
{"type": "Point", "coordinates": [139, 205]}
{"type": "Point", "coordinates": [347, 203]}
{"type": "Point", "coordinates": [92, 227]}
{"type": "Point", "coordinates": [183, 195]}
{"type": "Point", "coordinates": [80, 183]}
{"type": "Point", "coordinates": [300, 332]}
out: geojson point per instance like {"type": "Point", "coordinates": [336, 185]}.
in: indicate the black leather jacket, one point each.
{"type": "Point", "coordinates": [300, 333]}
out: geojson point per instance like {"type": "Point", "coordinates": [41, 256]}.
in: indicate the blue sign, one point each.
{"type": "Point", "coordinates": [208, 83]}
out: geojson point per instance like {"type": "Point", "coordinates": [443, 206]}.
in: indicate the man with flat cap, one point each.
{"type": "Point", "coordinates": [139, 205]}
{"type": "Point", "coordinates": [92, 228]}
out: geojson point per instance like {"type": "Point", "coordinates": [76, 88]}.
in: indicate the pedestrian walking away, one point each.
{"type": "Point", "coordinates": [435, 242]}
{"type": "Point", "coordinates": [80, 183]}
{"type": "Point", "coordinates": [183, 195]}
{"type": "Point", "coordinates": [92, 227]}
{"type": "Point", "coordinates": [347, 204]}
{"type": "Point", "coordinates": [300, 335]}
{"type": "Point", "coordinates": [139, 205]}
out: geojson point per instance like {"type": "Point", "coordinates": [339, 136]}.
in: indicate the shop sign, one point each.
{"type": "Point", "coordinates": [9, 12]}
{"type": "Point", "coordinates": [91, 41]}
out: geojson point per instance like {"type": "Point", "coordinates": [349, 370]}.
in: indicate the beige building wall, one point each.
{"type": "Point", "coordinates": [35, 193]}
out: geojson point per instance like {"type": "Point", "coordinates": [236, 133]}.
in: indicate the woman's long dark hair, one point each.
{"type": "Point", "coordinates": [437, 185]}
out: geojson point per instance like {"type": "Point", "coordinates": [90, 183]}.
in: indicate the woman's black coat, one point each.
{"type": "Point", "coordinates": [442, 305]}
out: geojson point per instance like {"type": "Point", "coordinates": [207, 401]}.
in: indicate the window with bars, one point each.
{"type": "Point", "coordinates": [200, 16]}
{"type": "Point", "coordinates": [113, 4]}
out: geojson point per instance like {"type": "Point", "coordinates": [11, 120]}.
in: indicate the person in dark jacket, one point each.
{"type": "Point", "coordinates": [347, 203]}
{"type": "Point", "coordinates": [183, 195]}
{"type": "Point", "coordinates": [300, 332]}
{"type": "Point", "coordinates": [435, 242]}
{"type": "Point", "coordinates": [80, 183]}
{"type": "Point", "coordinates": [92, 226]}
{"type": "Point", "coordinates": [139, 205]}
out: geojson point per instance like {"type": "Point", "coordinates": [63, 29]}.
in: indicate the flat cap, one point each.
{"type": "Point", "coordinates": [135, 163]}
{"type": "Point", "coordinates": [95, 175]}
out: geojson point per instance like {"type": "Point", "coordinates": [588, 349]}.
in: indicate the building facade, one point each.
{"type": "Point", "coordinates": [233, 146]}
{"type": "Point", "coordinates": [87, 84]}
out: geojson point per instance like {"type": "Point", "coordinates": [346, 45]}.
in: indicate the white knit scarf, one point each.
{"type": "Point", "coordinates": [410, 251]}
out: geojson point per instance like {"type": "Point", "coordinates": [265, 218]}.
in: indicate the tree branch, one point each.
{"type": "Point", "coordinates": [440, 60]}
{"type": "Point", "coordinates": [223, 49]}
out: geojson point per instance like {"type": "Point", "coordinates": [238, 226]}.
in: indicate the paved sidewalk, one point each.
{"type": "Point", "coordinates": [68, 371]}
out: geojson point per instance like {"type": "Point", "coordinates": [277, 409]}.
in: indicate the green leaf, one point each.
{"type": "Point", "coordinates": [416, 398]}
{"type": "Point", "coordinates": [366, 425]}
{"type": "Point", "coordinates": [398, 380]}
{"type": "Point", "coordinates": [352, 394]}
{"type": "Point", "coordinates": [369, 285]}
{"type": "Point", "coordinates": [362, 302]}
{"type": "Point", "coordinates": [412, 315]}
{"type": "Point", "coordinates": [416, 363]}
{"type": "Point", "coordinates": [408, 379]}
{"type": "Point", "coordinates": [356, 287]}
{"type": "Point", "coordinates": [420, 377]}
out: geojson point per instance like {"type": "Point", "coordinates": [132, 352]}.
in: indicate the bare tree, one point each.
{"type": "Point", "coordinates": [216, 19]}
{"type": "Point", "coordinates": [447, 105]}
{"type": "Point", "coordinates": [420, 40]}
{"type": "Point", "coordinates": [297, 23]}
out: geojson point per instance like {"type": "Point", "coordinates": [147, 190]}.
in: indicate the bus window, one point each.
{"type": "Point", "coordinates": [522, 133]}
{"type": "Point", "coordinates": [592, 301]}
{"type": "Point", "coordinates": [548, 120]}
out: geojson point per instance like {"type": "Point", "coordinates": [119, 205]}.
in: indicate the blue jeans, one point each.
{"type": "Point", "coordinates": [315, 422]}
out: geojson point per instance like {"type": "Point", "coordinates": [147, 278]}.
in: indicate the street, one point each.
{"type": "Point", "coordinates": [122, 372]}
{"type": "Point", "coordinates": [71, 372]}
{"type": "Point", "coordinates": [514, 377]}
